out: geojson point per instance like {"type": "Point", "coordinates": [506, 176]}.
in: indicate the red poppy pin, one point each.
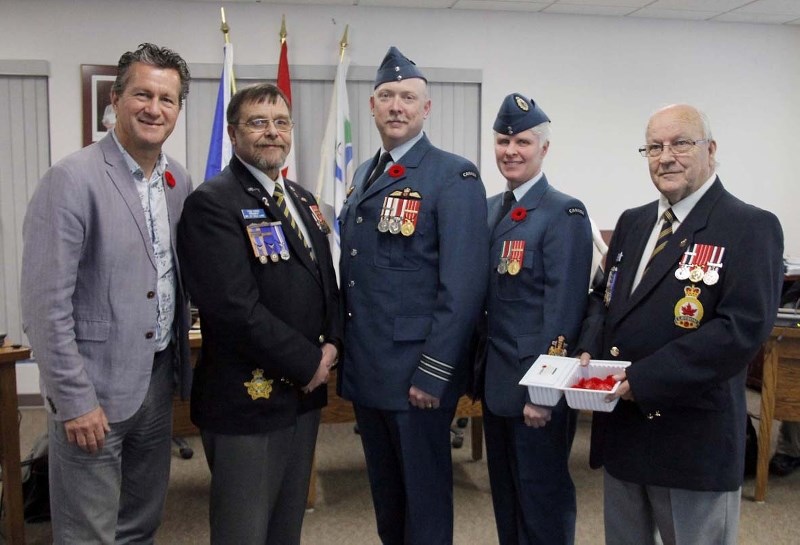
{"type": "Point", "coordinates": [519, 214]}
{"type": "Point", "coordinates": [169, 178]}
{"type": "Point", "coordinates": [395, 171]}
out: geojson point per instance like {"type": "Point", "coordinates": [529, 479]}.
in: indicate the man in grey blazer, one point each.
{"type": "Point", "coordinates": [105, 312]}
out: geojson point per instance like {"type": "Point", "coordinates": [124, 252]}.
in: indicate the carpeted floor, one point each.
{"type": "Point", "coordinates": [343, 513]}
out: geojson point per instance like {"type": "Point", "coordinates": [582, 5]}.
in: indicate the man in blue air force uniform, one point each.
{"type": "Point", "coordinates": [541, 253]}
{"type": "Point", "coordinates": [413, 273]}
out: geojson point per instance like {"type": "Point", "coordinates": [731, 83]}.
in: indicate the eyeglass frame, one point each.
{"type": "Point", "coordinates": [644, 151]}
{"type": "Point", "coordinates": [267, 121]}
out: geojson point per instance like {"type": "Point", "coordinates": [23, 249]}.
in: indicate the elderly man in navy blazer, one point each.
{"type": "Point", "coordinates": [104, 308]}
{"type": "Point", "coordinates": [413, 276]}
{"type": "Point", "coordinates": [693, 281]}
{"type": "Point", "coordinates": [540, 258]}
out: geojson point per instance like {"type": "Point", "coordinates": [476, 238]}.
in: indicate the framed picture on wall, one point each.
{"type": "Point", "coordinates": [98, 116]}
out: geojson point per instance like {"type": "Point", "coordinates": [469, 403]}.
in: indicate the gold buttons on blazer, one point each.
{"type": "Point", "coordinates": [614, 351]}
{"type": "Point", "coordinates": [321, 339]}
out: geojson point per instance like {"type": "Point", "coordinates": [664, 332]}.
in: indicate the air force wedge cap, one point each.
{"type": "Point", "coordinates": [396, 67]}
{"type": "Point", "coordinates": [518, 113]}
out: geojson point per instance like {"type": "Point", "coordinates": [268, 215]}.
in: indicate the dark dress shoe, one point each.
{"type": "Point", "coordinates": [783, 464]}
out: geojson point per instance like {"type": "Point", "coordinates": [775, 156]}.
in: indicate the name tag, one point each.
{"type": "Point", "coordinates": [253, 214]}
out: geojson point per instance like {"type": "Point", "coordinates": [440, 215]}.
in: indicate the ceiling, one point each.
{"type": "Point", "coordinates": [777, 12]}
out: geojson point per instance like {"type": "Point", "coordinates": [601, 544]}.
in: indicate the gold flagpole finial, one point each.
{"type": "Point", "coordinates": [224, 26]}
{"type": "Point", "coordinates": [343, 43]}
{"type": "Point", "coordinates": [283, 29]}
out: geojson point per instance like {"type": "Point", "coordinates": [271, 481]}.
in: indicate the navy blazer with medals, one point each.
{"type": "Point", "coordinates": [546, 299]}
{"type": "Point", "coordinates": [272, 316]}
{"type": "Point", "coordinates": [412, 298]}
{"type": "Point", "coordinates": [686, 428]}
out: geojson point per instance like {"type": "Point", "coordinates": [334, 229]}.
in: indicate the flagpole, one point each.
{"type": "Point", "coordinates": [225, 33]}
{"type": "Point", "coordinates": [325, 156]}
{"type": "Point", "coordinates": [343, 44]}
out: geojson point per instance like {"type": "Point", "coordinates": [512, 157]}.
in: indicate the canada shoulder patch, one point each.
{"type": "Point", "coordinates": [469, 174]}
{"type": "Point", "coordinates": [573, 210]}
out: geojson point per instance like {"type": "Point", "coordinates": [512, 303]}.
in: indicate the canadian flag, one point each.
{"type": "Point", "coordinates": [289, 169]}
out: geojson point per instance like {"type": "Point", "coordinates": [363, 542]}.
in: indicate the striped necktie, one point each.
{"type": "Point", "coordinates": [280, 200]}
{"type": "Point", "coordinates": [663, 236]}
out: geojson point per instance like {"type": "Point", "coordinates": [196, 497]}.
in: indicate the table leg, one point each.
{"type": "Point", "coordinates": [9, 456]}
{"type": "Point", "coordinates": [477, 437]}
{"type": "Point", "coordinates": [768, 386]}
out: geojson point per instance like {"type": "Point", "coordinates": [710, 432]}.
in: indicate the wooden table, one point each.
{"type": "Point", "coordinates": [780, 394]}
{"type": "Point", "coordinates": [9, 443]}
{"type": "Point", "coordinates": [337, 411]}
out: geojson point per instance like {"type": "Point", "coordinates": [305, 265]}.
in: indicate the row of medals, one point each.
{"type": "Point", "coordinates": [697, 273]}
{"type": "Point", "coordinates": [509, 266]}
{"type": "Point", "coordinates": [396, 225]}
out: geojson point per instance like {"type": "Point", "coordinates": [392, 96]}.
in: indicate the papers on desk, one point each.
{"type": "Point", "coordinates": [792, 265]}
{"type": "Point", "coordinates": [788, 317]}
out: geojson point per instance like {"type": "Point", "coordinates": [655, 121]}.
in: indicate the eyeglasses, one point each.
{"type": "Point", "coordinates": [261, 125]}
{"type": "Point", "coordinates": [678, 147]}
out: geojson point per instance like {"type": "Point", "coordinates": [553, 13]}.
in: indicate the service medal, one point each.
{"type": "Point", "coordinates": [319, 219]}
{"type": "Point", "coordinates": [386, 214]}
{"type": "Point", "coordinates": [612, 280]}
{"type": "Point", "coordinates": [261, 236]}
{"type": "Point", "coordinates": [714, 265]}
{"type": "Point", "coordinates": [682, 273]}
{"type": "Point", "coordinates": [410, 211]}
{"type": "Point", "coordinates": [502, 267]}
{"type": "Point", "coordinates": [283, 247]}
{"type": "Point", "coordinates": [711, 277]}
{"type": "Point", "coordinates": [696, 274]}
{"type": "Point", "coordinates": [516, 256]}
{"type": "Point", "coordinates": [688, 310]}
{"type": "Point", "coordinates": [394, 225]}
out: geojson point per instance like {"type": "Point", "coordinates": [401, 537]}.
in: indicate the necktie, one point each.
{"type": "Point", "coordinates": [280, 199]}
{"type": "Point", "coordinates": [508, 200]}
{"type": "Point", "coordinates": [379, 168]}
{"type": "Point", "coordinates": [663, 236]}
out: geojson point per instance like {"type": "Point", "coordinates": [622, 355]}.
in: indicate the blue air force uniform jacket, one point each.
{"type": "Point", "coordinates": [546, 299]}
{"type": "Point", "coordinates": [686, 427]}
{"type": "Point", "coordinates": [411, 302]}
{"type": "Point", "coordinates": [270, 317]}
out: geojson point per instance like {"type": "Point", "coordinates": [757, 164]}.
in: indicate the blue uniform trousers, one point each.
{"type": "Point", "coordinates": [410, 472]}
{"type": "Point", "coordinates": [532, 491]}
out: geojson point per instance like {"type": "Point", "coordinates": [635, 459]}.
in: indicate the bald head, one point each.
{"type": "Point", "coordinates": [678, 175]}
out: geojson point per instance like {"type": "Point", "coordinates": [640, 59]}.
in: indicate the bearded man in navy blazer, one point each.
{"type": "Point", "coordinates": [692, 287]}
{"type": "Point", "coordinates": [259, 269]}
{"type": "Point", "coordinates": [541, 255]}
{"type": "Point", "coordinates": [413, 277]}
{"type": "Point", "coordinates": [104, 309]}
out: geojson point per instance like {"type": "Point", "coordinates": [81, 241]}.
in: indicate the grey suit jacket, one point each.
{"type": "Point", "coordinates": [88, 285]}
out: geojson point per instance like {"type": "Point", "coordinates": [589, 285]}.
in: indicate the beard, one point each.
{"type": "Point", "coordinates": [265, 163]}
